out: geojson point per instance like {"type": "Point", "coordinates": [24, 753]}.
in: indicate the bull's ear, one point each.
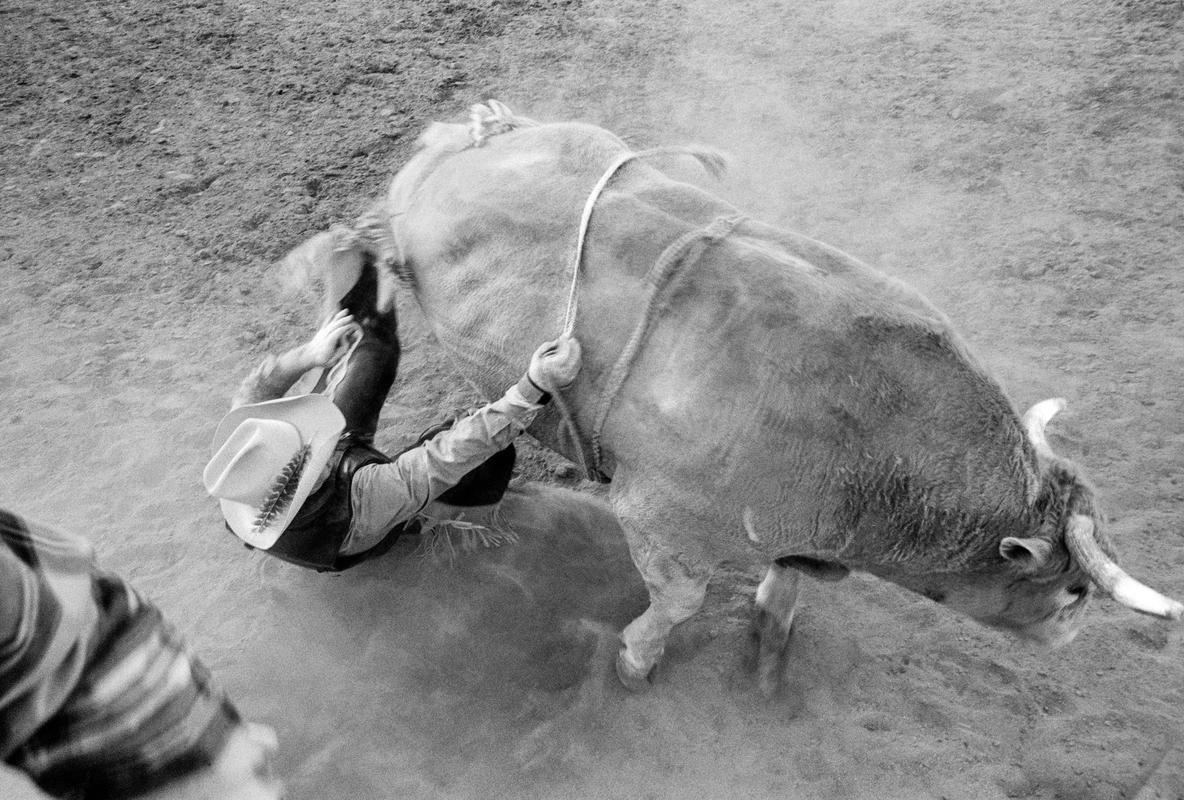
{"type": "Point", "coordinates": [1028, 554]}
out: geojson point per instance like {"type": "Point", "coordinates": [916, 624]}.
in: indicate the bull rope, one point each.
{"type": "Point", "coordinates": [660, 279]}
{"type": "Point", "coordinates": [569, 316]}
{"type": "Point", "coordinates": [711, 160]}
{"type": "Point", "coordinates": [593, 470]}
{"type": "Point", "coordinates": [493, 118]}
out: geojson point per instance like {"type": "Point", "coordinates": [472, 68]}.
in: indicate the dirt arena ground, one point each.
{"type": "Point", "coordinates": [1019, 162]}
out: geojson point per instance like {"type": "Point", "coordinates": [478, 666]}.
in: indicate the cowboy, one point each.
{"type": "Point", "coordinates": [299, 476]}
{"type": "Point", "coordinates": [99, 697]}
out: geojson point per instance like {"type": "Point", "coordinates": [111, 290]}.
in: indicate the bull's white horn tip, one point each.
{"type": "Point", "coordinates": [1051, 406]}
{"type": "Point", "coordinates": [1036, 417]}
{"type": "Point", "coordinates": [1138, 597]}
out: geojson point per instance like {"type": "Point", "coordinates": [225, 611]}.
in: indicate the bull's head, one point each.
{"type": "Point", "coordinates": [1049, 575]}
{"type": "Point", "coordinates": [1082, 534]}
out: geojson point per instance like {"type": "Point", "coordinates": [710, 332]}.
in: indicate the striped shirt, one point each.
{"type": "Point", "coordinates": [99, 697]}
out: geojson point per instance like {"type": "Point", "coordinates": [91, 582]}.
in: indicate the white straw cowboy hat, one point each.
{"type": "Point", "coordinates": [267, 458]}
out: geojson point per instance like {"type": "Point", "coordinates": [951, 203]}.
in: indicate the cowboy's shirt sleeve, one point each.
{"type": "Point", "coordinates": [384, 495]}
{"type": "Point", "coordinates": [270, 380]}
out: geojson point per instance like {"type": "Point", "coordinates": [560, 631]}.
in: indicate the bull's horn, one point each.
{"type": "Point", "coordinates": [1036, 418]}
{"type": "Point", "coordinates": [1110, 578]}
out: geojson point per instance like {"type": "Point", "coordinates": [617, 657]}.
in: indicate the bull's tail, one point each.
{"type": "Point", "coordinates": [332, 260]}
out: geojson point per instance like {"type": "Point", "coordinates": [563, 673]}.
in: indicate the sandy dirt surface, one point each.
{"type": "Point", "coordinates": [1019, 162]}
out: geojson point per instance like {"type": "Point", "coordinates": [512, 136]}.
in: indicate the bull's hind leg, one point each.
{"type": "Point", "coordinates": [676, 592]}
{"type": "Point", "coordinates": [776, 603]}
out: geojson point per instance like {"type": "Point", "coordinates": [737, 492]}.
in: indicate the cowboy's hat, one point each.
{"type": "Point", "coordinates": [266, 460]}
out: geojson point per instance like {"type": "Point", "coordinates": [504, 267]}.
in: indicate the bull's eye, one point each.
{"type": "Point", "coordinates": [1078, 591]}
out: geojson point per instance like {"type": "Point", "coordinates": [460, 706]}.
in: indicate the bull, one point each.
{"type": "Point", "coordinates": [749, 392]}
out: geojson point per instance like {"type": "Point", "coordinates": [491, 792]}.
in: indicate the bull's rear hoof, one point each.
{"type": "Point", "coordinates": [630, 677]}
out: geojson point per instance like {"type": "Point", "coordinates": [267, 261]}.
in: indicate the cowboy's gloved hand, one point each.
{"type": "Point", "coordinates": [553, 366]}
{"type": "Point", "coordinates": [331, 342]}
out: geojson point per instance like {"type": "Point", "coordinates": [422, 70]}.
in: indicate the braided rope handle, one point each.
{"type": "Point", "coordinates": [715, 163]}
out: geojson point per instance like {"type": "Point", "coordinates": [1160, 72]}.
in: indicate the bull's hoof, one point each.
{"type": "Point", "coordinates": [632, 678]}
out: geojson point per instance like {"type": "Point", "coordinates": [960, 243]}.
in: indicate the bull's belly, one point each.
{"type": "Point", "coordinates": [718, 509]}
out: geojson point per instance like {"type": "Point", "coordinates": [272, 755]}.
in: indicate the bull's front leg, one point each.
{"type": "Point", "coordinates": [676, 592]}
{"type": "Point", "coordinates": [776, 603]}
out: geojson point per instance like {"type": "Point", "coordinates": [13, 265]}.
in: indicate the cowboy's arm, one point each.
{"type": "Point", "coordinates": [272, 378]}
{"type": "Point", "coordinates": [276, 373]}
{"type": "Point", "coordinates": [383, 495]}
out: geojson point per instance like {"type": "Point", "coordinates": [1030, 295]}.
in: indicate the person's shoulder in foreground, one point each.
{"type": "Point", "coordinates": [99, 697]}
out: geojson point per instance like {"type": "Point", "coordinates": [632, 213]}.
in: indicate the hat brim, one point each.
{"type": "Point", "coordinates": [320, 423]}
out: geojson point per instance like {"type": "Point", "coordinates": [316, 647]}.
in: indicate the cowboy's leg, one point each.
{"type": "Point", "coordinates": [359, 383]}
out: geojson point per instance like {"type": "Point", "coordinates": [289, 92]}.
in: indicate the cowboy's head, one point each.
{"type": "Point", "coordinates": [268, 458]}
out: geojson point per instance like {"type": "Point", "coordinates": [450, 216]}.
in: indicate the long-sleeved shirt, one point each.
{"type": "Point", "coordinates": [384, 495]}
{"type": "Point", "coordinates": [98, 695]}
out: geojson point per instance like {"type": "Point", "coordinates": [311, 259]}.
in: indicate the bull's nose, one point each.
{"type": "Point", "coordinates": [1073, 599]}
